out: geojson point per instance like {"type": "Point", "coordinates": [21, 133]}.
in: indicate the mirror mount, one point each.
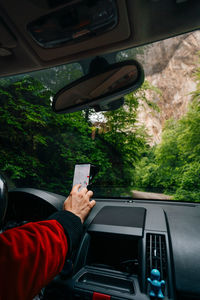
{"type": "Point", "coordinates": [98, 65]}
{"type": "Point", "coordinates": [112, 105]}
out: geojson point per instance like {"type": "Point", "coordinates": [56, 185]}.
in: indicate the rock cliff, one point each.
{"type": "Point", "coordinates": [169, 65]}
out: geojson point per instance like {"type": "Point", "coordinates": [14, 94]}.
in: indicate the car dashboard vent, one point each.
{"type": "Point", "coordinates": [156, 256]}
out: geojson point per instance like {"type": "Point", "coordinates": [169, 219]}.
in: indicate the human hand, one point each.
{"type": "Point", "coordinates": [78, 202]}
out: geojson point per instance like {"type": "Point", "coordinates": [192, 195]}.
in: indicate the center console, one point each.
{"type": "Point", "coordinates": [117, 254]}
{"type": "Point", "coordinates": [108, 264]}
{"type": "Point", "coordinates": [109, 261]}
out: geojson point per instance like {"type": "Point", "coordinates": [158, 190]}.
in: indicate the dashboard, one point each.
{"type": "Point", "coordinates": [123, 241]}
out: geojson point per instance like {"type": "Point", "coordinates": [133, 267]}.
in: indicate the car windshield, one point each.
{"type": "Point", "coordinates": [149, 145]}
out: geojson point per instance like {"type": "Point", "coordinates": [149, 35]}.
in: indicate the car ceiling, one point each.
{"type": "Point", "coordinates": [139, 22]}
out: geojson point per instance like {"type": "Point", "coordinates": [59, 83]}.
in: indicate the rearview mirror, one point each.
{"type": "Point", "coordinates": [103, 90]}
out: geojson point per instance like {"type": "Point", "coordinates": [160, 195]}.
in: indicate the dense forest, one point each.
{"type": "Point", "coordinates": [40, 148]}
{"type": "Point", "coordinates": [173, 166]}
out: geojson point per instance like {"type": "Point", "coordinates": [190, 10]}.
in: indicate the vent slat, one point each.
{"type": "Point", "coordinates": [156, 254]}
{"type": "Point", "coordinates": [161, 264]}
{"type": "Point", "coordinates": [150, 251]}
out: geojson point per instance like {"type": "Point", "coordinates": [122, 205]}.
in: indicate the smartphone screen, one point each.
{"type": "Point", "coordinates": [82, 175]}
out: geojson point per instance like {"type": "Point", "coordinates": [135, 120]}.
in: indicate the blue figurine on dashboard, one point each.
{"type": "Point", "coordinates": [156, 285]}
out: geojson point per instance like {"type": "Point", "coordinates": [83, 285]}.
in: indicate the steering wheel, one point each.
{"type": "Point", "coordinates": [3, 198]}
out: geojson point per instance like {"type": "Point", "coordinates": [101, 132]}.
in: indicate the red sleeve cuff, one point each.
{"type": "Point", "coordinates": [72, 226]}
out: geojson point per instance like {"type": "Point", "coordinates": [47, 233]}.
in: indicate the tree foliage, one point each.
{"type": "Point", "coordinates": [173, 166]}
{"type": "Point", "coordinates": [40, 148]}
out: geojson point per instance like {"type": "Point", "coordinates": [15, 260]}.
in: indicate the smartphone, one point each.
{"type": "Point", "coordinates": [82, 175]}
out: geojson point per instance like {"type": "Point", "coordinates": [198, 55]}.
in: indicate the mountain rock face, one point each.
{"type": "Point", "coordinates": [169, 65]}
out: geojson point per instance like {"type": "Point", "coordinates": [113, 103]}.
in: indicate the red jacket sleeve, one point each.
{"type": "Point", "coordinates": [30, 257]}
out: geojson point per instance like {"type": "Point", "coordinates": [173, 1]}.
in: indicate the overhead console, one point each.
{"type": "Point", "coordinates": [75, 22]}
{"type": "Point", "coordinates": [71, 30]}
{"type": "Point", "coordinates": [53, 32]}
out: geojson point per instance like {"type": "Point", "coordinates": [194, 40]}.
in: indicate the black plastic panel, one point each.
{"type": "Point", "coordinates": [118, 284]}
{"type": "Point", "coordinates": [120, 220]}
{"type": "Point", "coordinates": [80, 20]}
{"type": "Point", "coordinates": [27, 204]}
{"type": "Point", "coordinates": [121, 216]}
{"type": "Point", "coordinates": [185, 242]}
{"type": "Point", "coordinates": [115, 284]}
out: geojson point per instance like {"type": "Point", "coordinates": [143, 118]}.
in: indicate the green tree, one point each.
{"type": "Point", "coordinates": [40, 148]}
{"type": "Point", "coordinates": [125, 135]}
{"type": "Point", "coordinates": [174, 165]}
